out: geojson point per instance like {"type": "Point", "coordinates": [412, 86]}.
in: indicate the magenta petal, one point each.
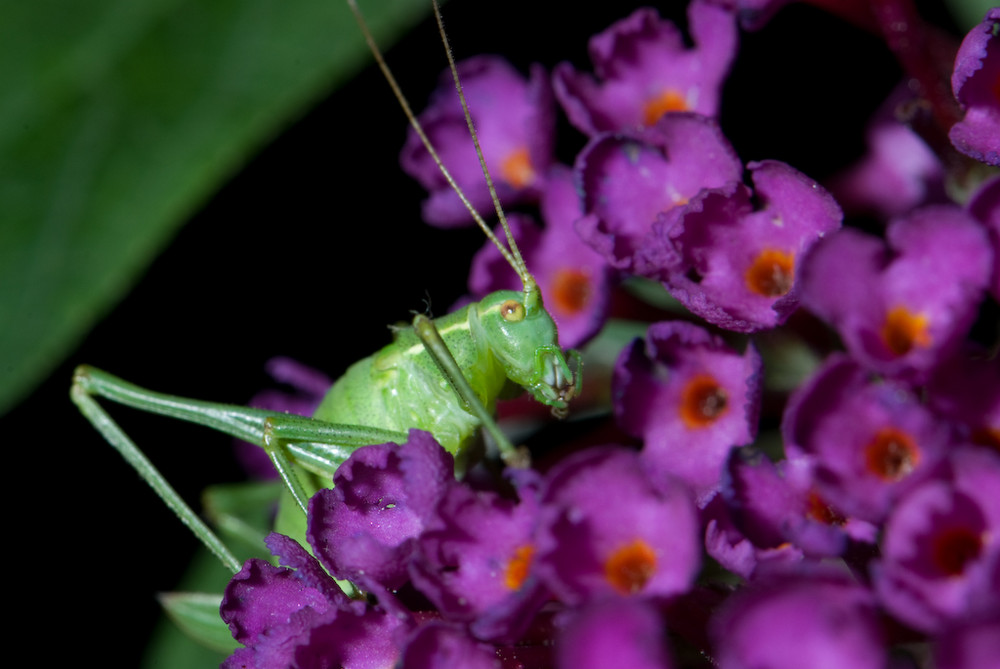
{"type": "Point", "coordinates": [613, 633]}
{"type": "Point", "coordinates": [974, 81]}
{"type": "Point", "coordinates": [630, 180]}
{"type": "Point", "coordinates": [940, 562]}
{"type": "Point", "coordinates": [646, 70]}
{"type": "Point", "coordinates": [437, 645]}
{"type": "Point", "coordinates": [514, 118]}
{"type": "Point", "coordinates": [364, 527]}
{"type": "Point", "coordinates": [737, 266]}
{"type": "Point", "coordinates": [868, 440]}
{"type": "Point", "coordinates": [972, 646]}
{"type": "Point", "coordinates": [609, 529]}
{"type": "Point", "coordinates": [260, 595]}
{"type": "Point", "coordinates": [899, 171]}
{"type": "Point", "coordinates": [789, 621]}
{"type": "Point", "coordinates": [470, 559]}
{"type": "Point", "coordinates": [985, 208]}
{"type": "Point", "coordinates": [903, 306]}
{"type": "Point", "coordinates": [691, 398]}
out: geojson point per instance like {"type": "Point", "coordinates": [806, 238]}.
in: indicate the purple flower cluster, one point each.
{"type": "Point", "coordinates": [849, 517]}
{"type": "Point", "coordinates": [657, 191]}
{"type": "Point", "coordinates": [461, 570]}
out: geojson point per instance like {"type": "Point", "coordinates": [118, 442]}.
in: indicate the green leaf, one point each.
{"type": "Point", "coordinates": [244, 512]}
{"type": "Point", "coordinates": [118, 119]}
{"type": "Point", "coordinates": [197, 614]}
{"type": "Point", "coordinates": [172, 648]}
{"type": "Point", "coordinates": [968, 13]}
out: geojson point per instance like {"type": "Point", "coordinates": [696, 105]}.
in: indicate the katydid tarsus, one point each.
{"type": "Point", "coordinates": [443, 375]}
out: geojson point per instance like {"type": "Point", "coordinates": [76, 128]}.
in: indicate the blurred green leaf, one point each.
{"type": "Point", "coordinates": [243, 513]}
{"type": "Point", "coordinates": [118, 118]}
{"type": "Point", "coordinates": [197, 614]}
{"type": "Point", "coordinates": [969, 13]}
{"type": "Point", "coordinates": [175, 647]}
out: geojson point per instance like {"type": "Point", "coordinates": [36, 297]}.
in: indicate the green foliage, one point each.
{"type": "Point", "coordinates": [968, 13]}
{"type": "Point", "coordinates": [197, 614]}
{"type": "Point", "coordinates": [119, 119]}
{"type": "Point", "coordinates": [243, 514]}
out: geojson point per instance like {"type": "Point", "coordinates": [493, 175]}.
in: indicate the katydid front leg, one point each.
{"type": "Point", "coordinates": [438, 350]}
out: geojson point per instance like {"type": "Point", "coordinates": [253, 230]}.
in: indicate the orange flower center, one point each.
{"type": "Point", "coordinates": [821, 512]}
{"type": "Point", "coordinates": [703, 400]}
{"type": "Point", "coordinates": [518, 567]}
{"type": "Point", "coordinates": [954, 548]}
{"type": "Point", "coordinates": [669, 100]}
{"type": "Point", "coordinates": [630, 567]}
{"type": "Point", "coordinates": [987, 436]}
{"type": "Point", "coordinates": [570, 290]}
{"type": "Point", "coordinates": [904, 330]}
{"type": "Point", "coordinates": [771, 274]}
{"type": "Point", "coordinates": [516, 168]}
{"type": "Point", "coordinates": [892, 454]}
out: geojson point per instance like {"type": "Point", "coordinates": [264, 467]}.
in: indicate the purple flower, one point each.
{"type": "Point", "coordinates": [899, 171]}
{"type": "Point", "coordinates": [974, 82]}
{"type": "Point", "coordinates": [904, 308]}
{"type": "Point", "coordinates": [613, 632]}
{"type": "Point", "coordinates": [973, 646]}
{"type": "Point", "coordinates": [940, 556]}
{"type": "Point", "coordinates": [691, 398]}
{"type": "Point", "coordinates": [609, 529]}
{"type": "Point", "coordinates": [791, 620]}
{"type": "Point", "coordinates": [985, 208]}
{"type": "Point", "coordinates": [299, 617]}
{"type": "Point", "coordinates": [867, 440]}
{"type": "Point", "coordinates": [364, 528]}
{"type": "Point", "coordinates": [728, 546]}
{"type": "Point", "coordinates": [778, 504]}
{"type": "Point", "coordinates": [630, 180]}
{"type": "Point", "coordinates": [438, 645]}
{"type": "Point", "coordinates": [573, 278]}
{"type": "Point", "coordinates": [514, 119]}
{"type": "Point", "coordinates": [475, 561]}
{"type": "Point", "coordinates": [966, 391]}
{"type": "Point", "coordinates": [736, 263]}
{"type": "Point", "coordinates": [647, 70]}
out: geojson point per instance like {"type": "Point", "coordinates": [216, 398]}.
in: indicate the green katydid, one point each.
{"type": "Point", "coordinates": [443, 376]}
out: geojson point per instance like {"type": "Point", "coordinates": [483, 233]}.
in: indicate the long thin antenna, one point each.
{"type": "Point", "coordinates": [522, 270]}
{"type": "Point", "coordinates": [513, 256]}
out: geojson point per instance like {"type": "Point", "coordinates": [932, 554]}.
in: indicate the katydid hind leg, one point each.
{"type": "Point", "coordinates": [291, 441]}
{"type": "Point", "coordinates": [115, 436]}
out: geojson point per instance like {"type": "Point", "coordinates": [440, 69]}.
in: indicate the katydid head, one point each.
{"type": "Point", "coordinates": [523, 337]}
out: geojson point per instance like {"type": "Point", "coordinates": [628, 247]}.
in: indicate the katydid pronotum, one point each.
{"type": "Point", "coordinates": [443, 375]}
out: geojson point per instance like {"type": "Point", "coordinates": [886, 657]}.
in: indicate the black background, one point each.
{"type": "Point", "coordinates": [310, 252]}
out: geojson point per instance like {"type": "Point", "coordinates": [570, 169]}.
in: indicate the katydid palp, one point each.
{"type": "Point", "coordinates": [444, 376]}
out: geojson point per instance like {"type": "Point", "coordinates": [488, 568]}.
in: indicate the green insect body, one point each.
{"type": "Point", "coordinates": [507, 339]}
{"type": "Point", "coordinates": [504, 343]}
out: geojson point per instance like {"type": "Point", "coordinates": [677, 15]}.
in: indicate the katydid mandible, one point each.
{"type": "Point", "coordinates": [444, 376]}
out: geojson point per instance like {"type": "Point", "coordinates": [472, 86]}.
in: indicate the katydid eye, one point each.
{"type": "Point", "coordinates": [512, 311]}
